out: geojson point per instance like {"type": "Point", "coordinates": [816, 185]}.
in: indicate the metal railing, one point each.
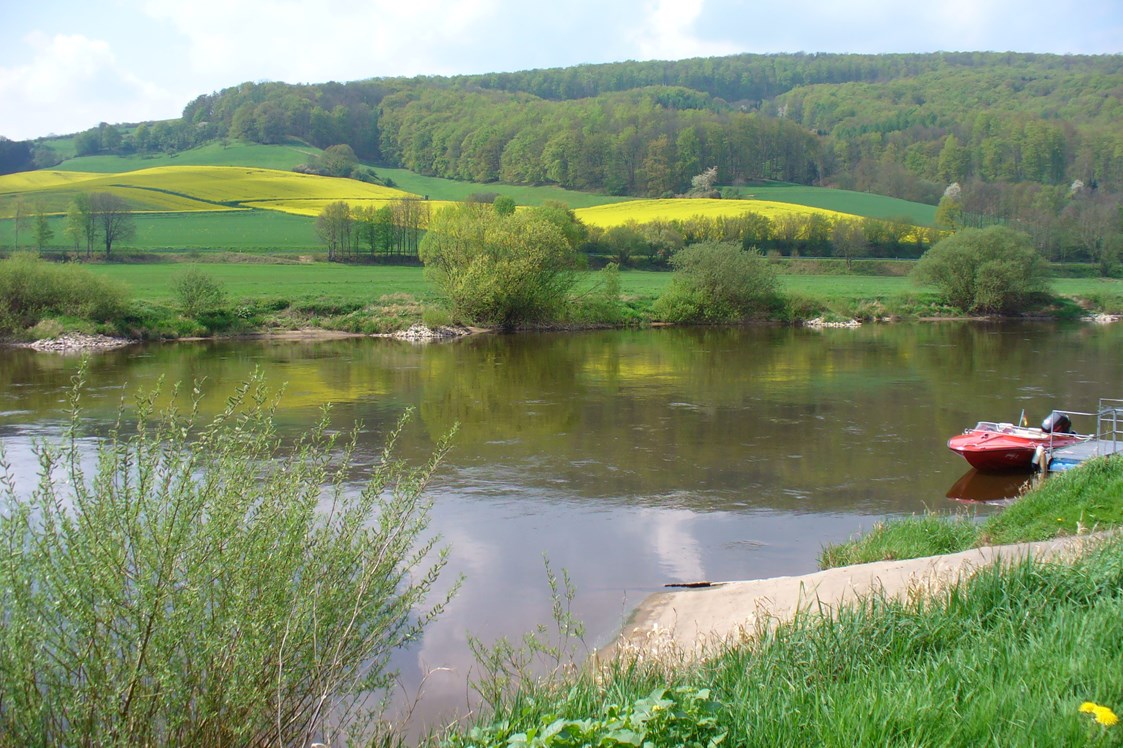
{"type": "Point", "coordinates": [1109, 425]}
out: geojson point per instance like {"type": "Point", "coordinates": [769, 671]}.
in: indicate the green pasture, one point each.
{"type": "Point", "coordinates": [448, 189]}
{"type": "Point", "coordinates": [357, 283]}
{"type": "Point", "coordinates": [844, 201]}
{"type": "Point", "coordinates": [346, 284]}
{"type": "Point", "coordinates": [216, 153]}
{"type": "Point", "coordinates": [265, 231]}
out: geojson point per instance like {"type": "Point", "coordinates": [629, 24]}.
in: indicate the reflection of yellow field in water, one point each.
{"type": "Point", "coordinates": [299, 385]}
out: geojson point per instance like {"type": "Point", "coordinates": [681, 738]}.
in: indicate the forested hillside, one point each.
{"type": "Point", "coordinates": [1028, 138]}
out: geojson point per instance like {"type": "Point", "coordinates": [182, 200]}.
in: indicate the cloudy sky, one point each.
{"type": "Point", "coordinates": [66, 65]}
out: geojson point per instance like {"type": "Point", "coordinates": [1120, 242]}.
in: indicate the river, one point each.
{"type": "Point", "coordinates": [632, 459]}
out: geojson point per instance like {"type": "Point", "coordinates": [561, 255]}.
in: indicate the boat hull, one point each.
{"type": "Point", "coordinates": [1005, 447]}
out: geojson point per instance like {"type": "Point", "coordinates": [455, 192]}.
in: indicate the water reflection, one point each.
{"type": "Point", "coordinates": [985, 486]}
{"type": "Point", "coordinates": [631, 458]}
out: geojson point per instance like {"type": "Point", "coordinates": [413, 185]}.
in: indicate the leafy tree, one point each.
{"type": "Point", "coordinates": [19, 218]}
{"type": "Point", "coordinates": [43, 230]}
{"type": "Point", "coordinates": [718, 282]}
{"type": "Point", "coordinates": [113, 219]}
{"type": "Point", "coordinates": [989, 270]}
{"type": "Point", "coordinates": [499, 270]}
{"type": "Point", "coordinates": [1094, 223]}
{"type": "Point", "coordinates": [849, 241]}
{"type": "Point", "coordinates": [334, 226]}
{"type": "Point", "coordinates": [81, 223]}
{"type": "Point", "coordinates": [949, 213]}
{"type": "Point", "coordinates": [339, 160]}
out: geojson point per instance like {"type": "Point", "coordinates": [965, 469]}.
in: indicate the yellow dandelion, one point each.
{"type": "Point", "coordinates": [1101, 714]}
{"type": "Point", "coordinates": [1105, 716]}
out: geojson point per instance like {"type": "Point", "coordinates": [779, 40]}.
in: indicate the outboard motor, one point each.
{"type": "Point", "coordinates": [1057, 423]}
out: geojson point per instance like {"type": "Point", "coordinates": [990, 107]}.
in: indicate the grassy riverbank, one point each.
{"type": "Point", "coordinates": [1076, 501]}
{"type": "Point", "coordinates": [262, 294]}
{"type": "Point", "coordinates": [1005, 658]}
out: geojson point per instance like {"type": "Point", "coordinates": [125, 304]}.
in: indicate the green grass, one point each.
{"type": "Point", "coordinates": [1088, 498]}
{"type": "Point", "coordinates": [343, 284]}
{"type": "Point", "coordinates": [844, 201]}
{"type": "Point", "coordinates": [233, 153]}
{"type": "Point", "coordinates": [266, 231]}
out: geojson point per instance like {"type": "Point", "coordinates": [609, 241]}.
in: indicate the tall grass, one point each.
{"type": "Point", "coordinates": [204, 583]}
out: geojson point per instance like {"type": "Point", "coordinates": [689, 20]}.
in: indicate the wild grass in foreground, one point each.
{"type": "Point", "coordinates": [1086, 499]}
{"type": "Point", "coordinates": [201, 583]}
{"type": "Point", "coordinates": [1015, 656]}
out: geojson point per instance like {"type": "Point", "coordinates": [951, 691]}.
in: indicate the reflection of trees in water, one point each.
{"type": "Point", "coordinates": [741, 417]}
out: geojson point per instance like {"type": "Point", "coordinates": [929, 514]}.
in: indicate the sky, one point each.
{"type": "Point", "coordinates": [66, 65]}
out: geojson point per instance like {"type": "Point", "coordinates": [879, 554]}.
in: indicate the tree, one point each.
{"type": "Point", "coordinates": [43, 230]}
{"type": "Point", "coordinates": [849, 241]}
{"type": "Point", "coordinates": [989, 270]}
{"type": "Point", "coordinates": [338, 160]}
{"type": "Point", "coordinates": [949, 213]}
{"type": "Point", "coordinates": [333, 226]}
{"type": "Point", "coordinates": [1094, 222]}
{"type": "Point", "coordinates": [499, 270]}
{"type": "Point", "coordinates": [19, 220]}
{"type": "Point", "coordinates": [81, 223]}
{"type": "Point", "coordinates": [718, 282]}
{"type": "Point", "coordinates": [113, 219]}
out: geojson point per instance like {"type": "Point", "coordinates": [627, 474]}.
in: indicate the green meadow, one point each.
{"type": "Point", "coordinates": [843, 201]}
{"type": "Point", "coordinates": [282, 157]}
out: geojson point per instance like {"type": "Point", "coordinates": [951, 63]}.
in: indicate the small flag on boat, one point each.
{"type": "Point", "coordinates": [1023, 420]}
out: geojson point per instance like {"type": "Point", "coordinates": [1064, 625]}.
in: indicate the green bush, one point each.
{"type": "Point", "coordinates": [32, 289]}
{"type": "Point", "coordinates": [995, 269]}
{"type": "Point", "coordinates": [207, 583]}
{"type": "Point", "coordinates": [500, 270]}
{"type": "Point", "coordinates": [198, 292]}
{"type": "Point", "coordinates": [717, 282]}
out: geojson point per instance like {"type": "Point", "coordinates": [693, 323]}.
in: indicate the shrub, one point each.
{"type": "Point", "coordinates": [995, 269]}
{"type": "Point", "coordinates": [197, 291]}
{"type": "Point", "coordinates": [717, 282]}
{"type": "Point", "coordinates": [205, 585]}
{"type": "Point", "coordinates": [500, 270]}
{"type": "Point", "coordinates": [31, 289]}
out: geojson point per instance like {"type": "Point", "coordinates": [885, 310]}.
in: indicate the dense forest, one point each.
{"type": "Point", "coordinates": [1021, 135]}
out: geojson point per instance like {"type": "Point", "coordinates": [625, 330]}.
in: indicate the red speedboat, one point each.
{"type": "Point", "coordinates": [1006, 446]}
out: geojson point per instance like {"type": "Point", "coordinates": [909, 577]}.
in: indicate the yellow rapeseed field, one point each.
{"type": "Point", "coordinates": [190, 188]}
{"type": "Point", "coordinates": [681, 209]}
{"type": "Point", "coordinates": [25, 181]}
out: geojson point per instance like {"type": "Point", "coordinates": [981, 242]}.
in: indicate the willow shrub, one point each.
{"type": "Point", "coordinates": [32, 289]}
{"type": "Point", "coordinates": [205, 583]}
{"type": "Point", "coordinates": [719, 282]}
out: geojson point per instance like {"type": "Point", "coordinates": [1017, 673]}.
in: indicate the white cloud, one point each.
{"type": "Point", "coordinates": [302, 42]}
{"type": "Point", "coordinates": [668, 32]}
{"type": "Point", "coordinates": [71, 83]}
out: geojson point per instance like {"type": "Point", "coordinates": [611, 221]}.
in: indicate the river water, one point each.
{"type": "Point", "coordinates": [632, 459]}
